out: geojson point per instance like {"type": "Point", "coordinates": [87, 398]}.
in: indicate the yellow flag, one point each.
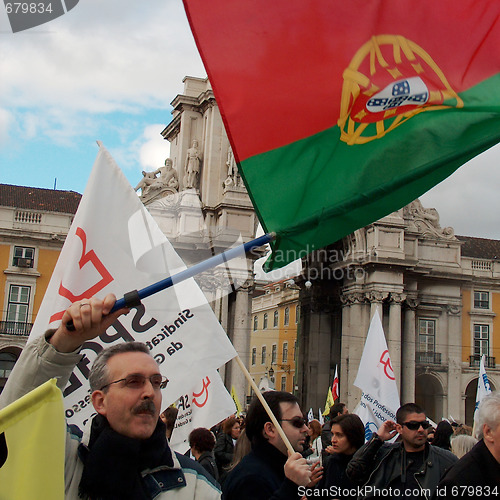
{"type": "Point", "coordinates": [236, 400]}
{"type": "Point", "coordinates": [329, 402]}
{"type": "Point", "coordinates": [32, 439]}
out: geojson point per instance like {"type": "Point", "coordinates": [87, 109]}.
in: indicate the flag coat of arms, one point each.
{"type": "Point", "coordinates": [114, 245]}
{"type": "Point", "coordinates": [380, 398]}
{"type": "Point", "coordinates": [32, 440]}
{"type": "Point", "coordinates": [353, 109]}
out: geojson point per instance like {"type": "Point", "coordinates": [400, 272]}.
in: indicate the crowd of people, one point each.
{"type": "Point", "coordinates": [125, 454]}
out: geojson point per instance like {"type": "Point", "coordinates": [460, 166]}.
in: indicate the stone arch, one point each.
{"type": "Point", "coordinates": [429, 394]}
{"type": "Point", "coordinates": [470, 399]}
{"type": "Point", "coordinates": [8, 358]}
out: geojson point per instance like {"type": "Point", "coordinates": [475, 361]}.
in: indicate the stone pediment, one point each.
{"type": "Point", "coordinates": [426, 221]}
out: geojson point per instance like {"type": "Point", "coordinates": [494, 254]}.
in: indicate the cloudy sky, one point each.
{"type": "Point", "coordinates": [108, 70]}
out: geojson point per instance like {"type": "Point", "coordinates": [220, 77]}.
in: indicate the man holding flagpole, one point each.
{"type": "Point", "coordinates": [124, 453]}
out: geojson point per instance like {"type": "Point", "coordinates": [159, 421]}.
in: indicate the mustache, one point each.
{"type": "Point", "coordinates": [146, 406]}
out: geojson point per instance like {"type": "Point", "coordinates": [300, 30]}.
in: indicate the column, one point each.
{"type": "Point", "coordinates": [394, 337]}
{"type": "Point", "coordinates": [241, 341]}
{"type": "Point", "coordinates": [356, 339]}
{"type": "Point", "coordinates": [454, 338]}
{"type": "Point", "coordinates": [408, 352]}
{"type": "Point", "coordinates": [344, 349]}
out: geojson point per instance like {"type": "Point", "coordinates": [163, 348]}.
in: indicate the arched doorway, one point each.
{"type": "Point", "coordinates": [429, 395]}
{"type": "Point", "coordinates": [470, 400]}
{"type": "Point", "coordinates": [8, 358]}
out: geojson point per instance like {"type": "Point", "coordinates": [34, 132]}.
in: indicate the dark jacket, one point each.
{"type": "Point", "coordinates": [207, 461]}
{"type": "Point", "coordinates": [476, 468]}
{"type": "Point", "coordinates": [378, 464]}
{"type": "Point", "coordinates": [335, 478]}
{"type": "Point", "coordinates": [260, 476]}
{"type": "Point", "coordinates": [223, 451]}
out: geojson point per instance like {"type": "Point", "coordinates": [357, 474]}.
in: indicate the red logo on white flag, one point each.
{"type": "Point", "coordinates": [91, 258]}
{"type": "Point", "coordinates": [206, 383]}
{"type": "Point", "coordinates": [386, 361]}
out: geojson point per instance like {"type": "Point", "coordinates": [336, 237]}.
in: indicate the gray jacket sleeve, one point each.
{"type": "Point", "coordinates": [38, 363]}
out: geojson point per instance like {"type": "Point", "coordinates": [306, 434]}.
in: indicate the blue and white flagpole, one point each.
{"type": "Point", "coordinates": [133, 298]}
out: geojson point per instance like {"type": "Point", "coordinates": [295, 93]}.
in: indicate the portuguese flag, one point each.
{"type": "Point", "coordinates": [341, 112]}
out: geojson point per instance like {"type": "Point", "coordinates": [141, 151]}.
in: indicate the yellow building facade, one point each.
{"type": "Point", "coordinates": [273, 336]}
{"type": "Point", "coordinates": [33, 227]}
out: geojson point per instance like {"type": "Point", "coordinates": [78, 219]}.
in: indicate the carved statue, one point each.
{"type": "Point", "coordinates": [233, 176]}
{"type": "Point", "coordinates": [152, 186]}
{"type": "Point", "coordinates": [192, 166]}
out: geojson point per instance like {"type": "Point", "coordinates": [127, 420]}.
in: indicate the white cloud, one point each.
{"type": "Point", "coordinates": [101, 57]}
{"type": "Point", "coordinates": [155, 149]}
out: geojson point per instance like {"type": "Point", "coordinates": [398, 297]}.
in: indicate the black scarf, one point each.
{"type": "Point", "coordinates": [113, 463]}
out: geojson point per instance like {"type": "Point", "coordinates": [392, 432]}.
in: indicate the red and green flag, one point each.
{"type": "Point", "coordinates": [340, 113]}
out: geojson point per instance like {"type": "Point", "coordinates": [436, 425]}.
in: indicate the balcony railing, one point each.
{"type": "Point", "coordinates": [475, 360]}
{"type": "Point", "coordinates": [15, 328]}
{"type": "Point", "coordinates": [428, 358]}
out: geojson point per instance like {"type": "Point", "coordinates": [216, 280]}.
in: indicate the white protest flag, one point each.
{"type": "Point", "coordinates": [380, 398]}
{"type": "Point", "coordinates": [483, 386]}
{"type": "Point", "coordinates": [114, 245]}
{"type": "Point", "coordinates": [321, 419]}
{"type": "Point", "coordinates": [310, 415]}
{"type": "Point", "coordinates": [206, 404]}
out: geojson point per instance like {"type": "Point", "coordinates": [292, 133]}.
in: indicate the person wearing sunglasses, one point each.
{"type": "Point", "coordinates": [124, 453]}
{"type": "Point", "coordinates": [267, 472]}
{"type": "Point", "coordinates": [410, 468]}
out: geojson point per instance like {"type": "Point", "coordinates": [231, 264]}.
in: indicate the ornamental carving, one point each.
{"type": "Point", "coordinates": [426, 221]}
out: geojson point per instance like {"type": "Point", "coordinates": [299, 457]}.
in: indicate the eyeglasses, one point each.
{"type": "Point", "coordinates": [414, 425]}
{"type": "Point", "coordinates": [137, 381]}
{"type": "Point", "coordinates": [298, 422]}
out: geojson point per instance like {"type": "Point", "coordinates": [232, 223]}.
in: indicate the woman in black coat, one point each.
{"type": "Point", "coordinates": [202, 443]}
{"type": "Point", "coordinates": [348, 435]}
{"type": "Point", "coordinates": [224, 445]}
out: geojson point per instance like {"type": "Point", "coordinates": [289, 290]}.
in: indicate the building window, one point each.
{"type": "Point", "coordinates": [263, 357]}
{"type": "Point", "coordinates": [255, 323]}
{"type": "Point", "coordinates": [297, 312]}
{"type": "Point", "coordinates": [481, 300]}
{"type": "Point", "coordinates": [23, 257]}
{"type": "Point", "coordinates": [276, 318]}
{"type": "Point", "coordinates": [427, 335]}
{"type": "Point", "coordinates": [254, 355]}
{"type": "Point", "coordinates": [264, 326]}
{"type": "Point", "coordinates": [287, 316]}
{"type": "Point", "coordinates": [274, 353]}
{"type": "Point", "coordinates": [18, 306]}
{"type": "Point", "coordinates": [481, 340]}
{"type": "Point", "coordinates": [283, 383]}
{"type": "Point", "coordinates": [285, 352]}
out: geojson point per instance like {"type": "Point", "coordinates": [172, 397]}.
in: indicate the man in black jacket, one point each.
{"type": "Point", "coordinates": [410, 468]}
{"type": "Point", "coordinates": [266, 473]}
{"type": "Point", "coordinates": [478, 472]}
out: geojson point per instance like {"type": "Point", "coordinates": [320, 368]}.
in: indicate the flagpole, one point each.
{"type": "Point", "coordinates": [133, 298]}
{"type": "Point", "coordinates": [271, 415]}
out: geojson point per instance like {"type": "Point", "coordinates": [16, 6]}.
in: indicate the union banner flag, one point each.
{"type": "Point", "coordinates": [32, 434]}
{"type": "Point", "coordinates": [340, 113]}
